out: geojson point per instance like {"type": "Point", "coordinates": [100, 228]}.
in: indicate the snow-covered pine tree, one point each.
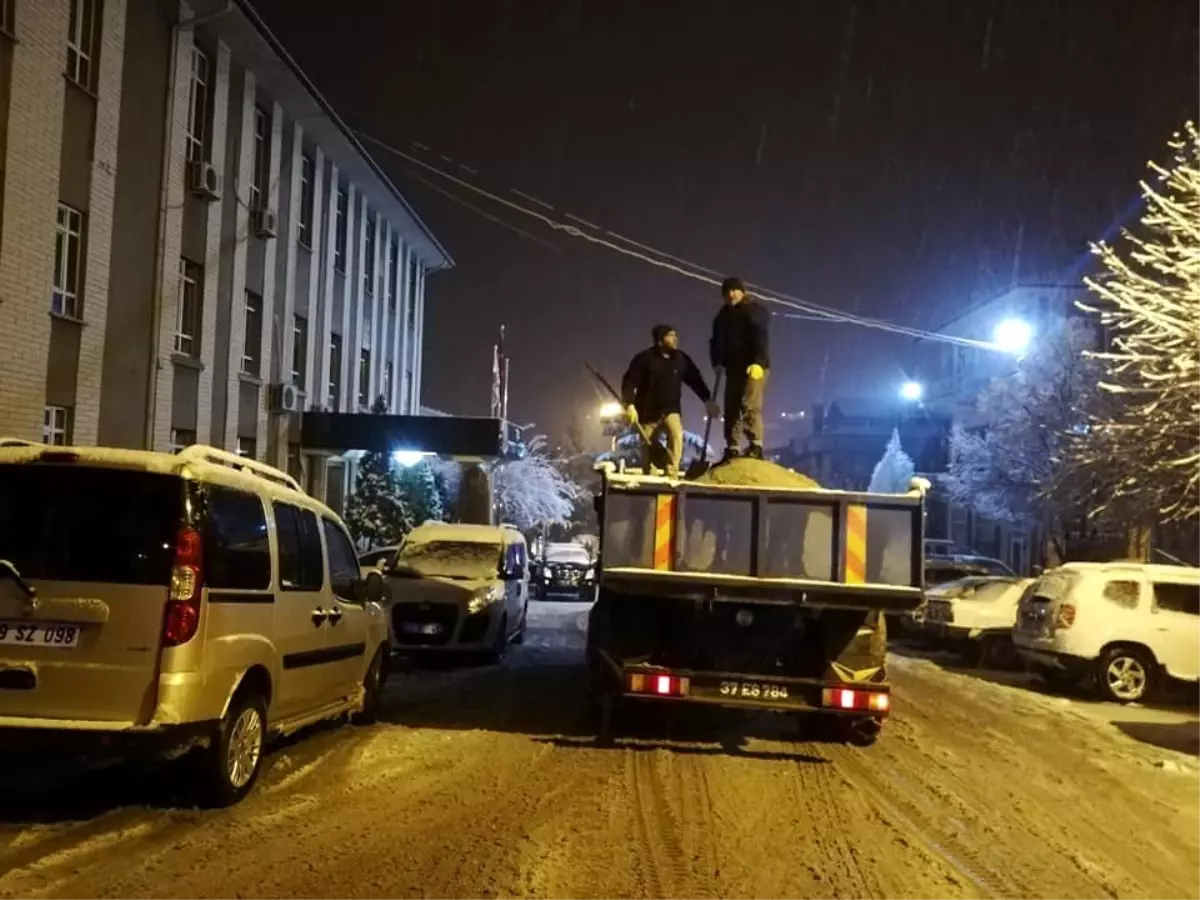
{"type": "Point", "coordinates": [895, 469]}
{"type": "Point", "coordinates": [1148, 297]}
{"type": "Point", "coordinates": [418, 486]}
{"type": "Point", "coordinates": [532, 490]}
{"type": "Point", "coordinates": [376, 513]}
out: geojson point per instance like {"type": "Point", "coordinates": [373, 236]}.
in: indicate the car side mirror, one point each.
{"type": "Point", "coordinates": [370, 589]}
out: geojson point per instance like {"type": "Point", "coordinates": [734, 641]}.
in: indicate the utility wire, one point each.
{"type": "Point", "coordinates": [668, 261]}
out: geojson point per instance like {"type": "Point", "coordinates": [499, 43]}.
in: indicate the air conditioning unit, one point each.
{"type": "Point", "coordinates": [266, 222]}
{"type": "Point", "coordinates": [285, 398]}
{"type": "Point", "coordinates": [204, 180]}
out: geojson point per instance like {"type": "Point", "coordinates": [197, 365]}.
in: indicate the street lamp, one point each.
{"type": "Point", "coordinates": [911, 390]}
{"type": "Point", "coordinates": [406, 458]}
{"type": "Point", "coordinates": [1012, 336]}
{"type": "Point", "coordinates": [611, 410]}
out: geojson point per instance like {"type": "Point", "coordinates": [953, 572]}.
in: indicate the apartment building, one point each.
{"type": "Point", "coordinates": [193, 246]}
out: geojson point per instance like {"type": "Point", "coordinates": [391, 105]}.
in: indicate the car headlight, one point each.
{"type": "Point", "coordinates": [546, 575]}
{"type": "Point", "coordinates": [589, 574]}
{"type": "Point", "coordinates": [482, 599]}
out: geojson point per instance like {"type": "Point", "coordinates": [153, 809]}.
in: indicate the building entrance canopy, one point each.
{"type": "Point", "coordinates": [463, 438]}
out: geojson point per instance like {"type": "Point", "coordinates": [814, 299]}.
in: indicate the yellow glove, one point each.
{"type": "Point", "coordinates": [631, 414]}
{"type": "Point", "coordinates": [755, 371]}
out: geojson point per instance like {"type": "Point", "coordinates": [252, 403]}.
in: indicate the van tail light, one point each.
{"type": "Point", "coordinates": [187, 579]}
{"type": "Point", "coordinates": [1065, 617]}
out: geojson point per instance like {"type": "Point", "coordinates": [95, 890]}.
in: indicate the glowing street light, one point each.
{"type": "Point", "coordinates": [406, 458]}
{"type": "Point", "coordinates": [911, 390]}
{"type": "Point", "coordinates": [611, 410]}
{"type": "Point", "coordinates": [1012, 336]}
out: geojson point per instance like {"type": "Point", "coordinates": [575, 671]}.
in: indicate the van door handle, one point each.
{"type": "Point", "coordinates": [318, 617]}
{"type": "Point", "coordinates": [335, 616]}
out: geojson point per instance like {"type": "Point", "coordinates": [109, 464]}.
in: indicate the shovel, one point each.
{"type": "Point", "coordinates": [645, 435]}
{"type": "Point", "coordinates": [698, 467]}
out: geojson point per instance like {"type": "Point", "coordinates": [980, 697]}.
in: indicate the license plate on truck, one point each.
{"type": "Point", "coordinates": [752, 690]}
{"type": "Point", "coordinates": [46, 634]}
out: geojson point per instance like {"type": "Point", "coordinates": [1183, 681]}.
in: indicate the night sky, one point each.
{"type": "Point", "coordinates": [894, 159]}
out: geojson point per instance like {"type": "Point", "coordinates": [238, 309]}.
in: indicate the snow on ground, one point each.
{"type": "Point", "coordinates": [486, 781]}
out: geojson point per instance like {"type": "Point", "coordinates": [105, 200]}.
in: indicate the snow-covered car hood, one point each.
{"type": "Point", "coordinates": [432, 589]}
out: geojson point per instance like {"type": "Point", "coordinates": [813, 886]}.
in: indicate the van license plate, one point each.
{"type": "Point", "coordinates": [48, 634]}
{"type": "Point", "coordinates": [429, 628]}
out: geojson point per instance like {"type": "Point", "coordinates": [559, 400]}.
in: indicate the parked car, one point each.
{"type": "Point", "coordinates": [459, 588]}
{"type": "Point", "coordinates": [377, 557]}
{"type": "Point", "coordinates": [944, 569]}
{"type": "Point", "coordinates": [566, 572]}
{"type": "Point", "coordinates": [975, 617]}
{"type": "Point", "coordinates": [1121, 626]}
{"type": "Point", "coordinates": [172, 603]}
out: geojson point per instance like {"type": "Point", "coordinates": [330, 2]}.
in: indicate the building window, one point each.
{"type": "Point", "coordinates": [299, 349]}
{"type": "Point", "coordinates": [198, 93]}
{"type": "Point", "coordinates": [339, 233]}
{"type": "Point", "coordinates": [181, 439]}
{"type": "Point", "coordinates": [247, 447]}
{"type": "Point", "coordinates": [412, 293]}
{"type": "Point", "coordinates": [392, 274]}
{"type": "Point", "coordinates": [364, 376]}
{"type": "Point", "coordinates": [307, 174]}
{"type": "Point", "coordinates": [252, 346]}
{"type": "Point", "coordinates": [387, 382]}
{"type": "Point", "coordinates": [187, 311]}
{"type": "Point", "coordinates": [412, 393]}
{"type": "Point", "coordinates": [258, 179]}
{"type": "Point", "coordinates": [8, 17]}
{"type": "Point", "coordinates": [68, 259]}
{"type": "Point", "coordinates": [82, 40]}
{"type": "Point", "coordinates": [56, 425]}
{"type": "Point", "coordinates": [335, 372]}
{"type": "Point", "coordinates": [369, 262]}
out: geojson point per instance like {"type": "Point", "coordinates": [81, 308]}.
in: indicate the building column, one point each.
{"type": "Point", "coordinates": [395, 401]}
{"type": "Point", "coordinates": [406, 341]}
{"type": "Point", "coordinates": [101, 200]}
{"type": "Point", "coordinates": [418, 338]}
{"type": "Point", "coordinates": [270, 319]}
{"type": "Point", "coordinates": [212, 251]}
{"type": "Point", "coordinates": [356, 295]}
{"type": "Point", "coordinates": [324, 329]}
{"type": "Point", "coordinates": [237, 293]}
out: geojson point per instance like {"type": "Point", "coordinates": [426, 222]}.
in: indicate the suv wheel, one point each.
{"type": "Point", "coordinates": [1124, 674]}
{"type": "Point", "coordinates": [231, 765]}
{"type": "Point", "coordinates": [372, 686]}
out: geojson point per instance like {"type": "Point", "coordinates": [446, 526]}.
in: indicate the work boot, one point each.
{"type": "Point", "coordinates": [755, 452]}
{"type": "Point", "coordinates": [730, 453]}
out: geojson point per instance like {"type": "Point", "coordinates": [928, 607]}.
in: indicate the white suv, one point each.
{"type": "Point", "coordinates": [1121, 624]}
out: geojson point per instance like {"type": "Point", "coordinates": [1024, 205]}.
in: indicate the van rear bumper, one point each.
{"type": "Point", "coordinates": [76, 737]}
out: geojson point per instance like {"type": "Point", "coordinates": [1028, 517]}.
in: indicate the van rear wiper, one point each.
{"type": "Point", "coordinates": [8, 570]}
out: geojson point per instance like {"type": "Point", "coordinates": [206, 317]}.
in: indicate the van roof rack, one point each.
{"type": "Point", "coordinates": [216, 456]}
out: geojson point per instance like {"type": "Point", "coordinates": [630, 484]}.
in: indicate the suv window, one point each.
{"type": "Point", "coordinates": [237, 553]}
{"type": "Point", "coordinates": [1123, 593]}
{"type": "Point", "coordinates": [1176, 597]}
{"type": "Point", "coordinates": [343, 564]}
{"type": "Point", "coordinates": [76, 522]}
{"type": "Point", "coordinates": [301, 566]}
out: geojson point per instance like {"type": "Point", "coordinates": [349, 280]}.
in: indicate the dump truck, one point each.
{"type": "Point", "coordinates": [755, 595]}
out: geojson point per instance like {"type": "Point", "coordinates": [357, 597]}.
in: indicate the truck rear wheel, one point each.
{"type": "Point", "coordinates": [862, 732]}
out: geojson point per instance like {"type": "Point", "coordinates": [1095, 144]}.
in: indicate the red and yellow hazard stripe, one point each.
{"type": "Point", "coordinates": [856, 544]}
{"type": "Point", "coordinates": [664, 528]}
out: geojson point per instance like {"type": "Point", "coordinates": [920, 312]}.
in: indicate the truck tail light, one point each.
{"type": "Point", "coordinates": [659, 684]}
{"type": "Point", "coordinates": [852, 699]}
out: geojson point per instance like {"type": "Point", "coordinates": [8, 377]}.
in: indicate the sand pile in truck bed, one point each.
{"type": "Point", "coordinates": [755, 473]}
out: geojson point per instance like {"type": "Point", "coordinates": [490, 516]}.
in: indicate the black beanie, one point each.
{"type": "Point", "coordinates": [729, 285]}
{"type": "Point", "coordinates": [658, 332]}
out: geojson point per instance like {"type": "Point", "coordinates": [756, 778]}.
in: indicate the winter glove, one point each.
{"type": "Point", "coordinates": [631, 414]}
{"type": "Point", "coordinates": [755, 371]}
{"type": "Point", "coordinates": [712, 408]}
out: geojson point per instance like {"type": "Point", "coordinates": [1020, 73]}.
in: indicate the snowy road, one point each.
{"type": "Point", "coordinates": [485, 782]}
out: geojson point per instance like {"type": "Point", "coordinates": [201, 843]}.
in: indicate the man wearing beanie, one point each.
{"type": "Point", "coordinates": [652, 392]}
{"type": "Point", "coordinates": [739, 347]}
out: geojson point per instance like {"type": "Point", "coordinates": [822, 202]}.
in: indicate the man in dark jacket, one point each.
{"type": "Point", "coordinates": [652, 391]}
{"type": "Point", "coordinates": [740, 348]}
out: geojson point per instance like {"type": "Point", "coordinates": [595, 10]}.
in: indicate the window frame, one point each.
{"type": "Point", "coordinates": [341, 213]}
{"type": "Point", "coordinates": [187, 342]}
{"type": "Point", "coordinates": [389, 375]}
{"type": "Point", "coordinates": [299, 349]}
{"type": "Point", "coordinates": [253, 315]}
{"type": "Point", "coordinates": [308, 173]}
{"type": "Point", "coordinates": [369, 243]}
{"type": "Point", "coordinates": [197, 133]}
{"type": "Point", "coordinates": [307, 566]}
{"type": "Point", "coordinates": [1177, 586]}
{"type": "Point", "coordinates": [335, 371]}
{"type": "Point", "coordinates": [178, 440]}
{"type": "Point", "coordinates": [364, 377]}
{"type": "Point", "coordinates": [83, 43]}
{"type": "Point", "coordinates": [393, 278]}
{"type": "Point", "coordinates": [212, 492]}
{"type": "Point", "coordinates": [262, 158]}
{"type": "Point", "coordinates": [56, 426]}
{"type": "Point", "coordinates": [69, 227]}
{"type": "Point", "coordinates": [337, 582]}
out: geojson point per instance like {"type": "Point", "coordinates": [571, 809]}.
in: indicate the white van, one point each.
{"type": "Point", "coordinates": [459, 588]}
{"type": "Point", "coordinates": [1120, 624]}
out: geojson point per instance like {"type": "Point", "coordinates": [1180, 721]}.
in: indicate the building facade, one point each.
{"type": "Point", "coordinates": [193, 246]}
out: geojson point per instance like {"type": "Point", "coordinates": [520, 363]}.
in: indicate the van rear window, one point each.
{"type": "Point", "coordinates": [80, 523]}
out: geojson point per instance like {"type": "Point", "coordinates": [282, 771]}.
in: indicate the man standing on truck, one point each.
{"type": "Point", "coordinates": [739, 348]}
{"type": "Point", "coordinates": [652, 392]}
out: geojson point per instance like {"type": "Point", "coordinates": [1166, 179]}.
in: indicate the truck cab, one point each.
{"type": "Point", "coordinates": [751, 596]}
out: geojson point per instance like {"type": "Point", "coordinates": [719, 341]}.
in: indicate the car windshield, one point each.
{"type": "Point", "coordinates": [467, 560]}
{"type": "Point", "coordinates": [86, 523]}
{"type": "Point", "coordinates": [992, 589]}
{"type": "Point", "coordinates": [571, 554]}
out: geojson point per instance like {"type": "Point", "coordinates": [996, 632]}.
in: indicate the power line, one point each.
{"type": "Point", "coordinates": [666, 260]}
